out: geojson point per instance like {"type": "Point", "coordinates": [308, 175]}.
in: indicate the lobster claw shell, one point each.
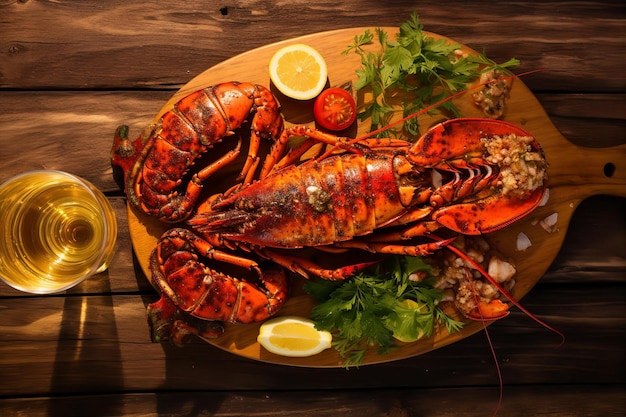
{"type": "Point", "coordinates": [461, 139]}
{"type": "Point", "coordinates": [493, 310]}
{"type": "Point", "coordinates": [487, 215]}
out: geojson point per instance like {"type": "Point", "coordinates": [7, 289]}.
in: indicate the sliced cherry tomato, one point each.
{"type": "Point", "coordinates": [334, 109]}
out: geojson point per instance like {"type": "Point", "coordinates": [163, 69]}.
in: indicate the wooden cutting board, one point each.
{"type": "Point", "coordinates": [575, 173]}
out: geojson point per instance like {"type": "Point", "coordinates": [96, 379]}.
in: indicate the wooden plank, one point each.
{"type": "Point", "coordinates": [84, 345]}
{"type": "Point", "coordinates": [99, 45]}
{"type": "Point", "coordinates": [73, 127]}
{"type": "Point", "coordinates": [593, 120]}
{"type": "Point", "coordinates": [593, 243]}
{"type": "Point", "coordinates": [100, 343]}
{"type": "Point", "coordinates": [74, 131]}
{"type": "Point", "coordinates": [571, 401]}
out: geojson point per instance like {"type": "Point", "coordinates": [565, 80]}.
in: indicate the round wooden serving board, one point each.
{"type": "Point", "coordinates": [574, 174]}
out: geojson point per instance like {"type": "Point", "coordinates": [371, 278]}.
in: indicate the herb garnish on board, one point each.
{"type": "Point", "coordinates": [371, 309]}
{"type": "Point", "coordinates": [416, 69]}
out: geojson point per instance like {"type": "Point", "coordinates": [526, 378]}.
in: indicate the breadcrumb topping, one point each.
{"type": "Point", "coordinates": [462, 284]}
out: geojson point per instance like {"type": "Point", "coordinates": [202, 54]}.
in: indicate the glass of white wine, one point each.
{"type": "Point", "coordinates": [56, 230]}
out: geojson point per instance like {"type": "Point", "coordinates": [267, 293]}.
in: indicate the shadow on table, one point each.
{"type": "Point", "coordinates": [88, 357]}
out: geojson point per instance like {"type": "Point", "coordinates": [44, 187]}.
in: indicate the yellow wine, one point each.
{"type": "Point", "coordinates": [57, 229]}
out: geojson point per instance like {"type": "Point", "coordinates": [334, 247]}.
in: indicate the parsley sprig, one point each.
{"type": "Point", "coordinates": [370, 310]}
{"type": "Point", "coordinates": [416, 70]}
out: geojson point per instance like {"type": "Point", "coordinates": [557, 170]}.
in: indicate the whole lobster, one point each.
{"type": "Point", "coordinates": [471, 176]}
{"type": "Point", "coordinates": [381, 184]}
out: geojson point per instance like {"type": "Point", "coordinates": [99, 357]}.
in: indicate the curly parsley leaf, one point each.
{"type": "Point", "coordinates": [420, 69]}
{"type": "Point", "coordinates": [373, 309]}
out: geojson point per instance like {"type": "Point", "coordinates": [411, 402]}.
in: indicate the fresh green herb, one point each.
{"type": "Point", "coordinates": [372, 309]}
{"type": "Point", "coordinates": [417, 70]}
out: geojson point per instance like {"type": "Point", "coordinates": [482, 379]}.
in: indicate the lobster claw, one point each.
{"type": "Point", "coordinates": [487, 215]}
{"type": "Point", "coordinates": [493, 310]}
{"type": "Point", "coordinates": [481, 144]}
{"type": "Point", "coordinates": [461, 137]}
{"type": "Point", "coordinates": [168, 323]}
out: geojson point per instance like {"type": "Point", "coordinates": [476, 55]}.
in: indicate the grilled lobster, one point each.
{"type": "Point", "coordinates": [376, 195]}
{"type": "Point", "coordinates": [493, 173]}
{"type": "Point", "coordinates": [470, 176]}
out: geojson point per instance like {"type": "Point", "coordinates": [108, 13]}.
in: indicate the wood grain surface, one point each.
{"type": "Point", "coordinates": [71, 72]}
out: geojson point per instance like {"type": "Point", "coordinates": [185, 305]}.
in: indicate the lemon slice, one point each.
{"type": "Point", "coordinates": [410, 304]}
{"type": "Point", "coordinates": [293, 336]}
{"type": "Point", "coordinates": [298, 71]}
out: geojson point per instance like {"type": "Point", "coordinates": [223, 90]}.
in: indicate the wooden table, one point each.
{"type": "Point", "coordinates": [70, 72]}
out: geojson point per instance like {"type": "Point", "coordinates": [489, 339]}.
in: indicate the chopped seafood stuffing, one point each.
{"type": "Point", "coordinates": [522, 169]}
{"type": "Point", "coordinates": [494, 94]}
{"type": "Point", "coordinates": [462, 283]}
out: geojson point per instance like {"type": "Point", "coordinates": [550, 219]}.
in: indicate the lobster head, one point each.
{"type": "Point", "coordinates": [492, 173]}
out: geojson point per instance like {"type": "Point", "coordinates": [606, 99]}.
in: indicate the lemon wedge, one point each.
{"type": "Point", "coordinates": [298, 71]}
{"type": "Point", "coordinates": [293, 336]}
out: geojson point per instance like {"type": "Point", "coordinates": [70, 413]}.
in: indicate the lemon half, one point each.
{"type": "Point", "coordinates": [298, 71]}
{"type": "Point", "coordinates": [293, 336]}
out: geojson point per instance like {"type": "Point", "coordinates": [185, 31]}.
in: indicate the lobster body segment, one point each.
{"type": "Point", "coordinates": [492, 173]}
{"type": "Point", "coordinates": [314, 204]}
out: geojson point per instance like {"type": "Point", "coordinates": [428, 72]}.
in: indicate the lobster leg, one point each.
{"type": "Point", "coordinates": [278, 150]}
{"type": "Point", "coordinates": [217, 165]}
{"type": "Point", "coordinates": [182, 240]}
{"type": "Point", "coordinates": [169, 323]}
{"type": "Point", "coordinates": [410, 250]}
{"type": "Point", "coordinates": [266, 123]}
{"type": "Point", "coordinates": [304, 266]}
{"type": "Point", "coordinates": [276, 160]}
{"type": "Point", "coordinates": [415, 230]}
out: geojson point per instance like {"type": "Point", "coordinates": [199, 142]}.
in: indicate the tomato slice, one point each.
{"type": "Point", "coordinates": [334, 109]}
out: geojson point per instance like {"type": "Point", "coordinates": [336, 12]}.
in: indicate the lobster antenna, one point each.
{"type": "Point", "coordinates": [495, 359]}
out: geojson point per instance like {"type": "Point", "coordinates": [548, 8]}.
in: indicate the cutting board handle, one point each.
{"type": "Point", "coordinates": [589, 171]}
